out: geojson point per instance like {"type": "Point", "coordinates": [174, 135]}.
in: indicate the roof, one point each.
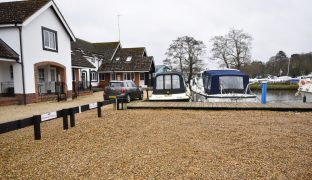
{"type": "Point", "coordinates": [137, 63]}
{"type": "Point", "coordinates": [80, 61]}
{"type": "Point", "coordinates": [123, 53]}
{"type": "Point", "coordinates": [106, 49]}
{"type": "Point", "coordinates": [7, 52]}
{"type": "Point", "coordinates": [230, 72]}
{"type": "Point", "coordinates": [21, 12]}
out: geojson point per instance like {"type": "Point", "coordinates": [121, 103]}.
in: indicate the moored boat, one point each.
{"type": "Point", "coordinates": [169, 86]}
{"type": "Point", "coordinates": [227, 85]}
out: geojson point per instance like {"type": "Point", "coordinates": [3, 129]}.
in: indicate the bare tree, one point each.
{"type": "Point", "coordinates": [233, 49]}
{"type": "Point", "coordinates": [220, 50]}
{"type": "Point", "coordinates": [184, 56]}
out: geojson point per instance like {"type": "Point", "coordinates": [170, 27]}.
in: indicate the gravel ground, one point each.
{"type": "Point", "coordinates": [164, 144]}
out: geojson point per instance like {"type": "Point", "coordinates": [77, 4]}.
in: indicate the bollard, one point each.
{"type": "Point", "coordinates": [72, 117]}
{"type": "Point", "coordinates": [304, 99]}
{"type": "Point", "coordinates": [37, 130]}
{"type": "Point", "coordinates": [65, 118]}
{"type": "Point", "coordinates": [99, 106]}
{"type": "Point", "coordinates": [264, 92]}
{"type": "Point", "coordinates": [147, 94]}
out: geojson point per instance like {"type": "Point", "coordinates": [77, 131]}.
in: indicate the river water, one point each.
{"type": "Point", "coordinates": [280, 96]}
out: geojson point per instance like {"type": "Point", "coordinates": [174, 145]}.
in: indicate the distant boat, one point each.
{"type": "Point", "coordinates": [305, 86]}
{"type": "Point", "coordinates": [169, 86]}
{"type": "Point", "coordinates": [228, 85]}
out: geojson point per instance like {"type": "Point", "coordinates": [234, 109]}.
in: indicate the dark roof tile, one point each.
{"type": "Point", "coordinates": [19, 11]}
{"type": "Point", "coordinates": [7, 52]}
{"type": "Point", "coordinates": [80, 61]}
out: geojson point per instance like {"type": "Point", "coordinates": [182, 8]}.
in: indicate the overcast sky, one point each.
{"type": "Point", "coordinates": [274, 24]}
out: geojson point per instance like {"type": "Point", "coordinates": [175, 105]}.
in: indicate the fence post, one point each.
{"type": "Point", "coordinates": [72, 117]}
{"type": "Point", "coordinates": [99, 106]}
{"type": "Point", "coordinates": [37, 130]}
{"type": "Point", "coordinates": [147, 93]}
{"type": "Point", "coordinates": [304, 100]}
{"type": "Point", "coordinates": [65, 118]}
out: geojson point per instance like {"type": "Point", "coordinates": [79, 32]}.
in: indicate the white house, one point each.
{"type": "Point", "coordinates": [87, 58]}
{"type": "Point", "coordinates": [35, 51]}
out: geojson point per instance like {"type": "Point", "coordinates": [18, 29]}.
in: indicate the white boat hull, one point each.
{"type": "Point", "coordinates": [169, 97]}
{"type": "Point", "coordinates": [227, 97]}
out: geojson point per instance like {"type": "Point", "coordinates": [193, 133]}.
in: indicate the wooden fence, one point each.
{"type": "Point", "coordinates": [64, 113]}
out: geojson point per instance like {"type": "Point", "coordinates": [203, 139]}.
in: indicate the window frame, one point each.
{"type": "Point", "coordinates": [95, 74]}
{"type": "Point", "coordinates": [43, 38]}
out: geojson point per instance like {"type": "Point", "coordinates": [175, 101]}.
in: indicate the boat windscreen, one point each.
{"type": "Point", "coordinates": [231, 82]}
{"type": "Point", "coordinates": [165, 82]}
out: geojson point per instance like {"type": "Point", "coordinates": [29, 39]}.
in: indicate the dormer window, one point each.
{"type": "Point", "coordinates": [49, 38]}
{"type": "Point", "coordinates": [117, 58]}
{"type": "Point", "coordinates": [128, 58]}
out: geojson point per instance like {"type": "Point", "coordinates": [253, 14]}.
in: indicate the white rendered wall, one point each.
{"type": "Point", "coordinates": [10, 35]}
{"type": "Point", "coordinates": [33, 50]}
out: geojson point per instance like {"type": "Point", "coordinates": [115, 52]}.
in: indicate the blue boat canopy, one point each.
{"type": "Point", "coordinates": [224, 81]}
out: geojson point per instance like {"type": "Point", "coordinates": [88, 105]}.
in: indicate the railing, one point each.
{"type": "Point", "coordinates": [51, 88]}
{"type": "Point", "coordinates": [7, 88]}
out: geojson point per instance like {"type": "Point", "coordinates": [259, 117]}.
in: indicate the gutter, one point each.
{"type": "Point", "coordinates": [22, 62]}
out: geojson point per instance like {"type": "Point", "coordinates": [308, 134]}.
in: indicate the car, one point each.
{"type": "Point", "coordinates": [126, 89]}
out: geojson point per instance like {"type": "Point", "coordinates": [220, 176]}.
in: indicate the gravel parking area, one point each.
{"type": "Point", "coordinates": [164, 144]}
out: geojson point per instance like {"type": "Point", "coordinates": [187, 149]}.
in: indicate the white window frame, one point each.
{"type": "Point", "coordinates": [49, 40]}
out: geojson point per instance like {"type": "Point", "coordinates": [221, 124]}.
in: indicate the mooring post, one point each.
{"type": "Point", "coordinates": [37, 130]}
{"type": "Point", "coordinates": [304, 99]}
{"type": "Point", "coordinates": [147, 93]}
{"type": "Point", "coordinates": [65, 118]}
{"type": "Point", "coordinates": [72, 117]}
{"type": "Point", "coordinates": [264, 92]}
{"type": "Point", "coordinates": [99, 106]}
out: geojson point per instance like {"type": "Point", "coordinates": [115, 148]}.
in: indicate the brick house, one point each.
{"type": "Point", "coordinates": [129, 64]}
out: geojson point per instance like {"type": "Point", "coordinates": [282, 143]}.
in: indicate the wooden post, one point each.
{"type": "Point", "coordinates": [72, 117]}
{"type": "Point", "coordinates": [37, 130]}
{"type": "Point", "coordinates": [65, 118]}
{"type": "Point", "coordinates": [304, 99]}
{"type": "Point", "coordinates": [147, 93]}
{"type": "Point", "coordinates": [99, 111]}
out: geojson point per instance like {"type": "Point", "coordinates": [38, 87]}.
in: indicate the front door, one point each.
{"type": "Point", "coordinates": [84, 79]}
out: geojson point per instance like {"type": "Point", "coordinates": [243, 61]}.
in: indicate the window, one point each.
{"type": "Point", "coordinates": [167, 81]}
{"type": "Point", "coordinates": [53, 75]}
{"type": "Point", "coordinates": [73, 74]}
{"type": "Point", "coordinates": [142, 76]}
{"type": "Point", "coordinates": [49, 38]}
{"type": "Point", "coordinates": [128, 76]}
{"type": "Point", "coordinates": [93, 76]}
{"type": "Point", "coordinates": [93, 59]}
{"type": "Point", "coordinates": [11, 72]}
{"type": "Point", "coordinates": [41, 75]}
{"type": "Point", "coordinates": [117, 58]}
{"type": "Point", "coordinates": [113, 76]}
{"type": "Point", "coordinates": [160, 82]}
{"type": "Point", "coordinates": [231, 82]}
{"type": "Point", "coordinates": [102, 76]}
{"type": "Point", "coordinates": [175, 82]}
{"type": "Point", "coordinates": [128, 58]}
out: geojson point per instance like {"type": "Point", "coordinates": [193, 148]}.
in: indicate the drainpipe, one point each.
{"type": "Point", "coordinates": [22, 62]}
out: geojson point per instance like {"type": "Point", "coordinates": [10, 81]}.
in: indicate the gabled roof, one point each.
{"type": "Point", "coordinates": [106, 49]}
{"type": "Point", "coordinates": [7, 52]}
{"type": "Point", "coordinates": [79, 61]}
{"type": "Point", "coordinates": [137, 63]}
{"type": "Point", "coordinates": [22, 12]}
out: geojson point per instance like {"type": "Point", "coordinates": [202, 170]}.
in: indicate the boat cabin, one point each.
{"type": "Point", "coordinates": [169, 83]}
{"type": "Point", "coordinates": [224, 81]}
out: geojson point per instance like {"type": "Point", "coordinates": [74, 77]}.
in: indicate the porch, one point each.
{"type": "Point", "coordinates": [7, 79]}
{"type": "Point", "coordinates": [50, 78]}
